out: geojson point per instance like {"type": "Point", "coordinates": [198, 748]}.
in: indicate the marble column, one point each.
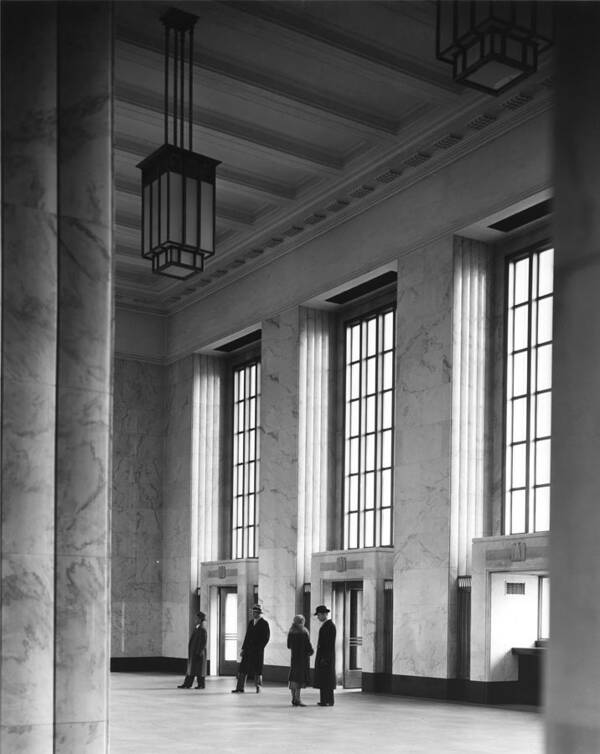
{"type": "Point", "coordinates": [278, 517]}
{"type": "Point", "coordinates": [422, 463]}
{"type": "Point", "coordinates": [573, 675]}
{"type": "Point", "coordinates": [83, 468]}
{"type": "Point", "coordinates": [56, 355]}
{"type": "Point", "coordinates": [29, 341]}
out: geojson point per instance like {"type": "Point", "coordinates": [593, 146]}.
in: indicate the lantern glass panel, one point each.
{"type": "Point", "coordinates": [147, 244]}
{"type": "Point", "coordinates": [175, 209]}
{"type": "Point", "coordinates": [154, 198]}
{"type": "Point", "coordinates": [191, 212]}
{"type": "Point", "coordinates": [207, 234]}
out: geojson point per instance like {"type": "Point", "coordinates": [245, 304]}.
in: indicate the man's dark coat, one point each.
{"type": "Point", "coordinates": [197, 652]}
{"type": "Point", "coordinates": [325, 677]}
{"type": "Point", "coordinates": [253, 649]}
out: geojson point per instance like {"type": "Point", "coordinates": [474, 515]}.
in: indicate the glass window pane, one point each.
{"type": "Point", "coordinates": [519, 467]}
{"type": "Point", "coordinates": [543, 414]}
{"type": "Point", "coordinates": [544, 323]}
{"type": "Point", "coordinates": [355, 353]}
{"type": "Point", "coordinates": [370, 376]}
{"type": "Point", "coordinates": [353, 427]}
{"type": "Point", "coordinates": [352, 493]}
{"type": "Point", "coordinates": [544, 368]}
{"type": "Point", "coordinates": [387, 416]}
{"type": "Point", "coordinates": [542, 462]}
{"type": "Point", "coordinates": [519, 422]}
{"type": "Point", "coordinates": [355, 381]}
{"type": "Point", "coordinates": [546, 272]}
{"type": "Point", "coordinates": [388, 371]}
{"type": "Point", "coordinates": [372, 336]}
{"type": "Point", "coordinates": [521, 327]}
{"type": "Point", "coordinates": [369, 452]}
{"type": "Point", "coordinates": [520, 373]}
{"type": "Point", "coordinates": [386, 526]}
{"type": "Point", "coordinates": [386, 487]}
{"type": "Point", "coordinates": [353, 455]}
{"type": "Point", "coordinates": [353, 530]}
{"type": "Point", "coordinates": [386, 449]}
{"type": "Point", "coordinates": [542, 509]}
{"type": "Point", "coordinates": [518, 512]}
{"type": "Point", "coordinates": [521, 281]}
{"type": "Point", "coordinates": [369, 490]}
{"type": "Point", "coordinates": [369, 531]}
{"type": "Point", "coordinates": [388, 325]}
{"type": "Point", "coordinates": [370, 413]}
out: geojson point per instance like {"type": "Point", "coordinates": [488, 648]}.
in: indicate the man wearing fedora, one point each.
{"type": "Point", "coordinates": [253, 651]}
{"type": "Point", "coordinates": [196, 665]}
{"type": "Point", "coordinates": [325, 677]}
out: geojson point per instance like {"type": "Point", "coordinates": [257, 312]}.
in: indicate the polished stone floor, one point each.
{"type": "Point", "coordinates": [149, 715]}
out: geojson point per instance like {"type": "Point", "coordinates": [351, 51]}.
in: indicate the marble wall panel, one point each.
{"type": "Point", "coordinates": [422, 462]}
{"type": "Point", "coordinates": [279, 479]}
{"type": "Point", "coordinates": [138, 448]}
{"type": "Point", "coordinates": [177, 566]}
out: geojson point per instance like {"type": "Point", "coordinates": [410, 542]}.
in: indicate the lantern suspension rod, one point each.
{"type": "Point", "coordinates": [175, 106]}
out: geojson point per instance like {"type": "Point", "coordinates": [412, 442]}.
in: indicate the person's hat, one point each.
{"type": "Point", "coordinates": [321, 609]}
{"type": "Point", "coordinates": [256, 608]}
{"type": "Point", "coordinates": [201, 615]}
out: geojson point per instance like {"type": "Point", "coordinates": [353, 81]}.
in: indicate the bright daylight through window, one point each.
{"type": "Point", "coordinates": [528, 392]}
{"type": "Point", "coordinates": [368, 442]}
{"type": "Point", "coordinates": [246, 412]}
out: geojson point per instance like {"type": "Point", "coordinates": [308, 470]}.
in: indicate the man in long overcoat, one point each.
{"type": "Point", "coordinates": [196, 665]}
{"type": "Point", "coordinates": [253, 651]}
{"type": "Point", "coordinates": [325, 677]}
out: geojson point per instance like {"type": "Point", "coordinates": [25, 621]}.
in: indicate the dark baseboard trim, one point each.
{"type": "Point", "coordinates": [452, 689]}
{"type": "Point", "coordinates": [148, 665]}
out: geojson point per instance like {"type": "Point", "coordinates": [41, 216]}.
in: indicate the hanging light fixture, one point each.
{"type": "Point", "coordinates": [178, 185]}
{"type": "Point", "coordinates": [492, 44]}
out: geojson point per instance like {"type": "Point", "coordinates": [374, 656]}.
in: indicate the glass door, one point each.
{"type": "Point", "coordinates": [348, 616]}
{"type": "Point", "coordinates": [228, 650]}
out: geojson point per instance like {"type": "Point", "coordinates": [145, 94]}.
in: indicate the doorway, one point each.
{"type": "Point", "coordinates": [228, 609]}
{"type": "Point", "coordinates": [348, 615]}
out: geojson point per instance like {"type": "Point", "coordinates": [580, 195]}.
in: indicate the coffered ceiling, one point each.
{"type": "Point", "coordinates": [316, 110]}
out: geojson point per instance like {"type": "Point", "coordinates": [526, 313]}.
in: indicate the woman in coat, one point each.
{"type": "Point", "coordinates": [299, 643]}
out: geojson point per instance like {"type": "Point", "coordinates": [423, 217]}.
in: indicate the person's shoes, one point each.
{"type": "Point", "coordinates": [237, 691]}
{"type": "Point", "coordinates": [258, 689]}
{"type": "Point", "coordinates": [324, 704]}
{"type": "Point", "coordinates": [183, 686]}
{"type": "Point", "coordinates": [294, 704]}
